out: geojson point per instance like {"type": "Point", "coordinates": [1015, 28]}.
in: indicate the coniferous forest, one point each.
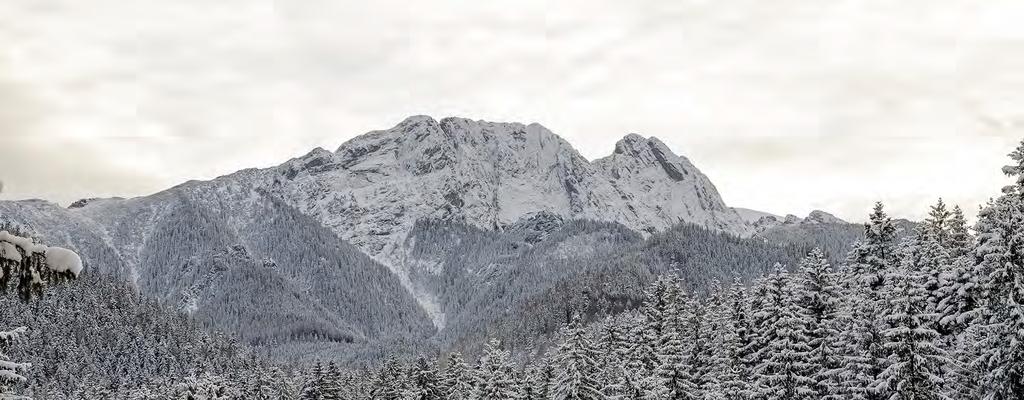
{"type": "Point", "coordinates": [938, 314]}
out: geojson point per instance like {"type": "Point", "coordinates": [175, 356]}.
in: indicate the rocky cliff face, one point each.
{"type": "Point", "coordinates": [375, 187]}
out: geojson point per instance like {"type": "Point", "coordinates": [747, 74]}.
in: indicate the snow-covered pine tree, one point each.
{"type": "Point", "coordinates": [389, 384]}
{"type": "Point", "coordinates": [787, 373]}
{"type": "Point", "coordinates": [736, 338]}
{"type": "Point", "coordinates": [495, 378]}
{"type": "Point", "coordinates": [673, 378]}
{"type": "Point", "coordinates": [458, 378]}
{"type": "Point", "coordinates": [820, 302]}
{"type": "Point", "coordinates": [938, 222]}
{"type": "Point", "coordinates": [544, 381]}
{"type": "Point", "coordinates": [860, 341]}
{"type": "Point", "coordinates": [959, 242]}
{"type": "Point", "coordinates": [871, 258]}
{"type": "Point", "coordinates": [312, 389]}
{"type": "Point", "coordinates": [331, 384]}
{"type": "Point", "coordinates": [527, 384]}
{"type": "Point", "coordinates": [916, 363]}
{"type": "Point", "coordinates": [926, 260]}
{"type": "Point", "coordinates": [761, 310]}
{"type": "Point", "coordinates": [577, 365]}
{"type": "Point", "coordinates": [710, 346]}
{"type": "Point", "coordinates": [657, 310]}
{"type": "Point", "coordinates": [425, 384]}
{"type": "Point", "coordinates": [1000, 252]}
{"type": "Point", "coordinates": [963, 374]}
{"type": "Point", "coordinates": [959, 296]}
{"type": "Point", "coordinates": [766, 305]}
{"type": "Point", "coordinates": [33, 265]}
{"type": "Point", "coordinates": [613, 346]}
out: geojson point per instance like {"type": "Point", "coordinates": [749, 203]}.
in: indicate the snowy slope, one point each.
{"type": "Point", "coordinates": [752, 216]}
{"type": "Point", "coordinates": [374, 189]}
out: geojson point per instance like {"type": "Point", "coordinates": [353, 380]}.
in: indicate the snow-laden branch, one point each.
{"type": "Point", "coordinates": [58, 259]}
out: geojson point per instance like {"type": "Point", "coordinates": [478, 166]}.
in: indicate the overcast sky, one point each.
{"type": "Point", "coordinates": [787, 105]}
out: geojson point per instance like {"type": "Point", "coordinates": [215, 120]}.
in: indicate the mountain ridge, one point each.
{"type": "Point", "coordinates": [373, 189]}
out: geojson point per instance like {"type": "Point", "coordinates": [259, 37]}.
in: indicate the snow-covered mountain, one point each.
{"type": "Point", "coordinates": [373, 191]}
{"type": "Point", "coordinates": [376, 186]}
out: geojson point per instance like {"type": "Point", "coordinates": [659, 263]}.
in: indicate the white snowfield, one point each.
{"type": "Point", "coordinates": [58, 259]}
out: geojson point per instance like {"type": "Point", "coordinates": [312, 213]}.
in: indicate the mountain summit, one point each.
{"type": "Point", "coordinates": [376, 186]}
{"type": "Point", "coordinates": [294, 222]}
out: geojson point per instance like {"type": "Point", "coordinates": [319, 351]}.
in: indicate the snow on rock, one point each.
{"type": "Point", "coordinates": [754, 216]}
{"type": "Point", "coordinates": [821, 217]}
{"type": "Point", "coordinates": [376, 186]}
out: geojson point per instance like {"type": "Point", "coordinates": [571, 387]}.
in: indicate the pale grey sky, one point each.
{"type": "Point", "coordinates": [788, 105]}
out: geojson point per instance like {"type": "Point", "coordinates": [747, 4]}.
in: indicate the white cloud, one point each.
{"type": "Point", "coordinates": [788, 105]}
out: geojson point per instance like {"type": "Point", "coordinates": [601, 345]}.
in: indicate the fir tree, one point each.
{"type": "Point", "coordinates": [938, 223]}
{"type": "Point", "coordinates": [871, 259]}
{"type": "Point", "coordinates": [495, 377]}
{"type": "Point", "coordinates": [1000, 252]}
{"type": "Point", "coordinates": [389, 382]}
{"type": "Point", "coordinates": [736, 338]}
{"type": "Point", "coordinates": [916, 364]}
{"type": "Point", "coordinates": [425, 384]}
{"type": "Point", "coordinates": [577, 366]}
{"type": "Point", "coordinates": [672, 376]}
{"type": "Point", "coordinates": [788, 375]}
{"type": "Point", "coordinates": [959, 241]}
{"type": "Point", "coordinates": [861, 345]}
{"type": "Point", "coordinates": [820, 302]}
{"type": "Point", "coordinates": [458, 379]}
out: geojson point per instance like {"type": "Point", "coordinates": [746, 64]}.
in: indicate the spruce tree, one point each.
{"type": "Point", "coordinates": [959, 242]}
{"type": "Point", "coordinates": [820, 302]}
{"type": "Point", "coordinates": [1000, 252]}
{"type": "Point", "coordinates": [495, 377]}
{"type": "Point", "coordinates": [425, 384]}
{"type": "Point", "coordinates": [458, 379]}
{"type": "Point", "coordinates": [787, 372]}
{"type": "Point", "coordinates": [389, 382]}
{"type": "Point", "coordinates": [577, 365]}
{"type": "Point", "coordinates": [736, 338]}
{"type": "Point", "coordinates": [916, 363]}
{"type": "Point", "coordinates": [860, 343]}
{"type": "Point", "coordinates": [871, 259]}
{"type": "Point", "coordinates": [672, 379]}
{"type": "Point", "coordinates": [613, 347]}
{"type": "Point", "coordinates": [938, 222]}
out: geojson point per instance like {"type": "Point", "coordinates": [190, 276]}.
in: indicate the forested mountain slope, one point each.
{"type": "Point", "coordinates": [245, 263]}
{"type": "Point", "coordinates": [605, 279]}
{"type": "Point", "coordinates": [455, 226]}
{"type": "Point", "coordinates": [99, 332]}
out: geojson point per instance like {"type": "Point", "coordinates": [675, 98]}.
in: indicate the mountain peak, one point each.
{"type": "Point", "coordinates": [418, 119]}
{"type": "Point", "coordinates": [821, 217]}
